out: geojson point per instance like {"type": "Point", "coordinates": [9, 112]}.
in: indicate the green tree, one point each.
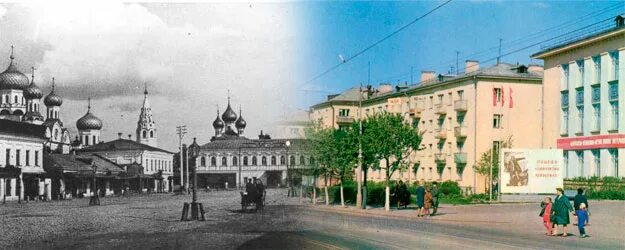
{"type": "Point", "coordinates": [391, 142]}
{"type": "Point", "coordinates": [490, 159]}
{"type": "Point", "coordinates": [343, 157]}
{"type": "Point", "coordinates": [369, 160]}
{"type": "Point", "coordinates": [319, 140]}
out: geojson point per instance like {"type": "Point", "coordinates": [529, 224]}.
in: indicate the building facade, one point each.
{"type": "Point", "coordinates": [231, 159]}
{"type": "Point", "coordinates": [461, 116]}
{"type": "Point", "coordinates": [584, 92]}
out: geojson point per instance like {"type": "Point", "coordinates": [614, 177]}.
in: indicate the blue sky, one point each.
{"type": "Point", "coordinates": [333, 28]}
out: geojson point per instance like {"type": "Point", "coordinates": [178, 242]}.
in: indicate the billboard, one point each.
{"type": "Point", "coordinates": [530, 171]}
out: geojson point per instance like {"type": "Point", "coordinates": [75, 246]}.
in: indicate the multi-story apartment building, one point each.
{"type": "Point", "coordinates": [583, 88]}
{"type": "Point", "coordinates": [462, 116]}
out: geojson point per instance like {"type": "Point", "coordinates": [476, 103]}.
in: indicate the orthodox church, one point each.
{"type": "Point", "coordinates": [230, 159]}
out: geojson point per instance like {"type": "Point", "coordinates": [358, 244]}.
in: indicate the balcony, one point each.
{"type": "Point", "coordinates": [415, 112]}
{"type": "Point", "coordinates": [344, 119]}
{"type": "Point", "coordinates": [460, 158]}
{"type": "Point", "coordinates": [440, 157]}
{"type": "Point", "coordinates": [460, 132]}
{"type": "Point", "coordinates": [460, 106]}
{"type": "Point", "coordinates": [440, 109]}
{"type": "Point", "coordinates": [440, 134]}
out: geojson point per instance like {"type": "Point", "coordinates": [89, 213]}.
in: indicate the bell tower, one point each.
{"type": "Point", "coordinates": [146, 127]}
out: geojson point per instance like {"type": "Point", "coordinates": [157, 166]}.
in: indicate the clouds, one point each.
{"type": "Point", "coordinates": [189, 54]}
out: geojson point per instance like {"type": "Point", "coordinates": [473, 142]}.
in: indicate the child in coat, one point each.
{"type": "Point", "coordinates": [428, 202]}
{"type": "Point", "coordinates": [582, 218]}
{"type": "Point", "coordinates": [545, 213]}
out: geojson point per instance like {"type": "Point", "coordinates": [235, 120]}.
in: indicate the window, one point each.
{"type": "Point", "coordinates": [292, 160]}
{"type": "Point", "coordinates": [564, 123]}
{"type": "Point", "coordinates": [36, 158]}
{"type": "Point", "coordinates": [580, 162]}
{"type": "Point", "coordinates": [431, 101]}
{"type": "Point", "coordinates": [17, 158]}
{"type": "Point", "coordinates": [582, 73]}
{"type": "Point", "coordinates": [614, 161]}
{"type": "Point", "coordinates": [213, 161]}
{"type": "Point", "coordinates": [440, 99]}
{"type": "Point", "coordinates": [27, 156]}
{"type": "Point", "coordinates": [497, 120]}
{"type": "Point", "coordinates": [244, 160]}
{"type": "Point", "coordinates": [203, 161]}
{"type": "Point", "coordinates": [235, 161]}
{"type": "Point", "coordinates": [273, 160]}
{"type": "Point", "coordinates": [596, 108]}
{"type": "Point", "coordinates": [614, 116]}
{"type": "Point", "coordinates": [302, 161]}
{"type": "Point", "coordinates": [145, 134]}
{"type": "Point", "coordinates": [460, 94]}
{"type": "Point", "coordinates": [94, 140]}
{"type": "Point", "coordinates": [15, 98]}
{"type": "Point", "coordinates": [263, 160]}
{"type": "Point", "coordinates": [224, 161]}
{"type": "Point", "coordinates": [498, 95]}
{"type": "Point", "coordinates": [7, 157]}
{"type": "Point", "coordinates": [597, 162]}
{"type": "Point", "coordinates": [450, 99]}
{"type": "Point", "coordinates": [282, 160]}
{"type": "Point", "coordinates": [597, 63]}
{"type": "Point", "coordinates": [580, 119]}
{"type": "Point", "coordinates": [615, 64]}
{"type": "Point", "coordinates": [254, 161]}
{"type": "Point", "coordinates": [152, 134]}
{"type": "Point", "coordinates": [613, 92]}
{"type": "Point", "coordinates": [343, 112]}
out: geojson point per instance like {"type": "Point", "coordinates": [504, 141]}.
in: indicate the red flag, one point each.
{"type": "Point", "coordinates": [494, 97]}
{"type": "Point", "coordinates": [503, 97]}
{"type": "Point", "coordinates": [510, 105]}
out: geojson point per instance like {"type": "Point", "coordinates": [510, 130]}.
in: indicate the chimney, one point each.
{"type": "Point", "coordinates": [427, 76]}
{"type": "Point", "coordinates": [129, 136]}
{"type": "Point", "coordinates": [534, 68]}
{"type": "Point", "coordinates": [471, 66]}
{"type": "Point", "coordinates": [119, 135]}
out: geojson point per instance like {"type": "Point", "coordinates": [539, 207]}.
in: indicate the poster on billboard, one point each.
{"type": "Point", "coordinates": [530, 171]}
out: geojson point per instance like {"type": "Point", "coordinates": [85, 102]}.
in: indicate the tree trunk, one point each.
{"type": "Point", "coordinates": [325, 187]}
{"type": "Point", "coordinates": [342, 197]}
{"type": "Point", "coordinates": [314, 196]}
{"type": "Point", "coordinates": [364, 188]}
{"type": "Point", "coordinates": [387, 200]}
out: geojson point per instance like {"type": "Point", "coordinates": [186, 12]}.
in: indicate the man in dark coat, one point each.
{"type": "Point", "coordinates": [251, 191]}
{"type": "Point", "coordinates": [420, 199]}
{"type": "Point", "coordinates": [579, 199]}
{"type": "Point", "coordinates": [260, 188]}
{"type": "Point", "coordinates": [560, 212]}
{"type": "Point", "coordinates": [434, 192]}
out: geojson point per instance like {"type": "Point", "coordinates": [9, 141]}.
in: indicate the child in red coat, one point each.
{"type": "Point", "coordinates": [545, 213]}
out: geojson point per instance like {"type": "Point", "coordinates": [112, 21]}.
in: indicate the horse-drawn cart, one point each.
{"type": "Point", "coordinates": [252, 199]}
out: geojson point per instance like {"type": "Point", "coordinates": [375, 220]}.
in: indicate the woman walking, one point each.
{"type": "Point", "coordinates": [560, 212]}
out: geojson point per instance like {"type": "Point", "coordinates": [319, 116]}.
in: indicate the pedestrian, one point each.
{"type": "Point", "coordinates": [420, 199]}
{"type": "Point", "coordinates": [582, 217]}
{"type": "Point", "coordinates": [428, 202]}
{"type": "Point", "coordinates": [404, 194]}
{"type": "Point", "coordinates": [545, 213]}
{"type": "Point", "coordinates": [560, 212]}
{"type": "Point", "coordinates": [260, 188]}
{"type": "Point", "coordinates": [434, 198]}
{"type": "Point", "coordinates": [579, 199]}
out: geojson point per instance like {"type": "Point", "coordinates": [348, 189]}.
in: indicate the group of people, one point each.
{"type": "Point", "coordinates": [401, 194]}
{"type": "Point", "coordinates": [557, 213]}
{"type": "Point", "coordinates": [427, 198]}
{"type": "Point", "coordinates": [254, 191]}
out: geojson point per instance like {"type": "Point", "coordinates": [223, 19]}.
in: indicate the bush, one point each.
{"type": "Point", "coordinates": [450, 187]}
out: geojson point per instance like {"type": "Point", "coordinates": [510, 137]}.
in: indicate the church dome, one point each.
{"type": "Point", "coordinates": [33, 91]}
{"type": "Point", "coordinates": [12, 78]}
{"type": "Point", "coordinates": [229, 116]}
{"type": "Point", "coordinates": [89, 122]}
{"type": "Point", "coordinates": [240, 123]}
{"type": "Point", "coordinates": [218, 123]}
{"type": "Point", "coordinates": [53, 99]}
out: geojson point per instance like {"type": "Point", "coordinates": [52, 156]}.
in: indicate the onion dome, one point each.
{"type": "Point", "coordinates": [12, 78]}
{"type": "Point", "coordinates": [229, 116]}
{"type": "Point", "coordinates": [53, 99]}
{"type": "Point", "coordinates": [89, 121]}
{"type": "Point", "coordinates": [218, 123]}
{"type": "Point", "coordinates": [240, 123]}
{"type": "Point", "coordinates": [33, 91]}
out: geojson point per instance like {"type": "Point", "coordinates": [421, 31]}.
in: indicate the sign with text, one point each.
{"type": "Point", "coordinates": [592, 142]}
{"type": "Point", "coordinates": [530, 171]}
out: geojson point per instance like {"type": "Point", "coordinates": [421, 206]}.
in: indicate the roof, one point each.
{"type": "Point", "coordinates": [121, 144]}
{"type": "Point", "coordinates": [252, 144]}
{"type": "Point", "coordinates": [22, 129]}
{"type": "Point", "coordinates": [78, 163]}
{"type": "Point", "coordinates": [350, 95]}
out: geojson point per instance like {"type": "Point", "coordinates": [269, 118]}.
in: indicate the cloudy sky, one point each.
{"type": "Point", "coordinates": [190, 55]}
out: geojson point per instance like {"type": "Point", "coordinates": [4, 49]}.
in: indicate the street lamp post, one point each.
{"type": "Point", "coordinates": [181, 131]}
{"type": "Point", "coordinates": [288, 170]}
{"type": "Point", "coordinates": [94, 200]}
{"type": "Point", "coordinates": [197, 209]}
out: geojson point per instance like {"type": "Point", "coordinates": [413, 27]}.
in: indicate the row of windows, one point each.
{"type": "Point", "coordinates": [596, 77]}
{"type": "Point", "coordinates": [595, 122]}
{"type": "Point", "coordinates": [254, 161]}
{"type": "Point", "coordinates": [417, 102]}
{"type": "Point", "coordinates": [595, 164]}
{"type": "Point", "coordinates": [18, 157]}
{"type": "Point", "coordinates": [16, 99]}
{"type": "Point", "coordinates": [156, 165]}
